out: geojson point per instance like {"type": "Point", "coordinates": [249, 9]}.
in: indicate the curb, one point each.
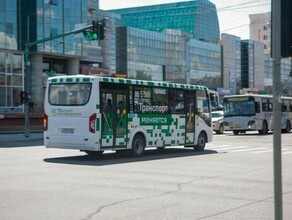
{"type": "Point", "coordinates": [6, 138]}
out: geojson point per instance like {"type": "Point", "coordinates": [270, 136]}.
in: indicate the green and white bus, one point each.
{"type": "Point", "coordinates": [94, 114]}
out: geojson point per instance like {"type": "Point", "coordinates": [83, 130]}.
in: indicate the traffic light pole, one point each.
{"type": "Point", "coordinates": [277, 156]}
{"type": "Point", "coordinates": [27, 76]}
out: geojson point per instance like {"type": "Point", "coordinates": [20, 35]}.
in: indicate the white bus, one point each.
{"type": "Point", "coordinates": [94, 114]}
{"type": "Point", "coordinates": [251, 112]}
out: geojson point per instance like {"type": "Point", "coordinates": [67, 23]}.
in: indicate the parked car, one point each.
{"type": "Point", "coordinates": [217, 122]}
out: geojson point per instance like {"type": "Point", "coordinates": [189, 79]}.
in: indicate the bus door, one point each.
{"type": "Point", "coordinates": [190, 117]}
{"type": "Point", "coordinates": [114, 116]}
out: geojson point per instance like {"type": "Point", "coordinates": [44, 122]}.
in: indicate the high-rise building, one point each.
{"type": "Point", "coordinates": [260, 29]}
{"type": "Point", "coordinates": [231, 63]}
{"type": "Point", "coordinates": [252, 64]}
{"type": "Point", "coordinates": [198, 18]}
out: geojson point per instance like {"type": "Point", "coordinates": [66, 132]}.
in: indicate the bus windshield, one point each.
{"type": "Point", "coordinates": [239, 108]}
{"type": "Point", "coordinates": [69, 94]}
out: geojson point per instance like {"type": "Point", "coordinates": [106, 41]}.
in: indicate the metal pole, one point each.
{"type": "Point", "coordinates": [276, 55]}
{"type": "Point", "coordinates": [26, 83]}
{"type": "Point", "coordinates": [27, 76]}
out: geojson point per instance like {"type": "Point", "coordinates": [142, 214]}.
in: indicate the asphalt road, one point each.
{"type": "Point", "coordinates": [231, 179]}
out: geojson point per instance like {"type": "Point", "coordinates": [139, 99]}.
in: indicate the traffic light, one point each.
{"type": "Point", "coordinates": [286, 28]}
{"type": "Point", "coordinates": [102, 29]}
{"type": "Point", "coordinates": [23, 97]}
{"type": "Point", "coordinates": [95, 30]}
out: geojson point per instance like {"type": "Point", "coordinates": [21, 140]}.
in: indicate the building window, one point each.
{"type": "Point", "coordinates": [52, 2]}
{"type": "Point", "coordinates": [266, 37]}
{"type": "Point", "coordinates": [265, 28]}
{"type": "Point", "coordinates": [9, 28]}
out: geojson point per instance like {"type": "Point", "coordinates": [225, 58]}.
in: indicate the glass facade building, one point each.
{"type": "Point", "coordinates": [231, 62]}
{"type": "Point", "coordinates": [169, 56]}
{"type": "Point", "coordinates": [11, 60]}
{"type": "Point", "coordinates": [49, 18]}
{"type": "Point", "coordinates": [198, 18]}
{"type": "Point", "coordinates": [204, 63]}
{"type": "Point", "coordinates": [252, 64]}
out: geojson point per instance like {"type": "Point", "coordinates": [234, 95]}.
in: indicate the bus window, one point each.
{"type": "Point", "coordinates": [203, 106]}
{"type": "Point", "coordinates": [142, 99]}
{"type": "Point", "coordinates": [68, 94]}
{"type": "Point", "coordinates": [267, 105]}
{"type": "Point", "coordinates": [176, 101]}
{"type": "Point", "coordinates": [107, 113]}
{"type": "Point", "coordinates": [159, 101]}
{"type": "Point", "coordinates": [257, 107]}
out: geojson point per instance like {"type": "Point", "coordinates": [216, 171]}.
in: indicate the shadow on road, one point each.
{"type": "Point", "coordinates": [113, 158]}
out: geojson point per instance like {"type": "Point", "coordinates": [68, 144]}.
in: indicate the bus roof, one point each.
{"type": "Point", "coordinates": [87, 78]}
{"type": "Point", "coordinates": [255, 95]}
{"type": "Point", "coordinates": [248, 95]}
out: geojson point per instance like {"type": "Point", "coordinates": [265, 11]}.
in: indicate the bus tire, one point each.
{"type": "Point", "coordinates": [221, 129]}
{"type": "Point", "coordinates": [202, 140]}
{"type": "Point", "coordinates": [288, 127]}
{"type": "Point", "coordinates": [93, 154]}
{"type": "Point", "coordinates": [236, 132]}
{"type": "Point", "coordinates": [138, 146]}
{"type": "Point", "coordinates": [264, 128]}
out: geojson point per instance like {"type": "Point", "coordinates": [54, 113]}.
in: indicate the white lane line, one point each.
{"type": "Point", "coordinates": [288, 152]}
{"type": "Point", "coordinates": [262, 151]}
{"type": "Point", "coordinates": [230, 148]}
{"type": "Point", "coordinates": [250, 149]}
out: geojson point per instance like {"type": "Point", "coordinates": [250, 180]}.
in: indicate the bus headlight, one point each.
{"type": "Point", "coordinates": [251, 122]}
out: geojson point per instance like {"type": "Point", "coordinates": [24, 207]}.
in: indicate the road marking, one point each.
{"type": "Point", "coordinates": [250, 149]}
{"type": "Point", "coordinates": [230, 148]}
{"type": "Point", "coordinates": [288, 152]}
{"type": "Point", "coordinates": [262, 151]}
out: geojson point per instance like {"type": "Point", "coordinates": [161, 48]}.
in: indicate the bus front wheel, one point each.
{"type": "Point", "coordinates": [202, 140]}
{"type": "Point", "coordinates": [264, 128]}
{"type": "Point", "coordinates": [138, 146]}
{"type": "Point", "coordinates": [288, 127]}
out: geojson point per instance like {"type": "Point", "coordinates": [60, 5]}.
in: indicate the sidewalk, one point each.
{"type": "Point", "coordinates": [6, 138]}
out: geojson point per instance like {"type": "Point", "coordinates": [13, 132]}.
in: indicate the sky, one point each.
{"type": "Point", "coordinates": [233, 15]}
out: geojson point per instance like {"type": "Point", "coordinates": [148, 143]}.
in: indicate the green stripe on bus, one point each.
{"type": "Point", "coordinates": [69, 80]}
{"type": "Point", "coordinates": [97, 124]}
{"type": "Point", "coordinates": [121, 81]}
{"type": "Point", "coordinates": [97, 106]}
{"type": "Point", "coordinates": [54, 80]}
{"type": "Point", "coordinates": [86, 79]}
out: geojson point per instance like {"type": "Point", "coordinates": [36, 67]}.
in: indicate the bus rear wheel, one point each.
{"type": "Point", "coordinates": [202, 140]}
{"type": "Point", "coordinates": [138, 146]}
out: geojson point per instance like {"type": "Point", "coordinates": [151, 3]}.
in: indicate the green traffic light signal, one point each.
{"type": "Point", "coordinates": [89, 35]}
{"type": "Point", "coordinates": [94, 36]}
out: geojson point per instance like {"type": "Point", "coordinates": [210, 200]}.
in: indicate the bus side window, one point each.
{"type": "Point", "coordinates": [257, 107]}
{"type": "Point", "coordinates": [176, 104]}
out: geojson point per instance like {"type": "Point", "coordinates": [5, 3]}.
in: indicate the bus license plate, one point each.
{"type": "Point", "coordinates": [237, 126]}
{"type": "Point", "coordinates": [67, 130]}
